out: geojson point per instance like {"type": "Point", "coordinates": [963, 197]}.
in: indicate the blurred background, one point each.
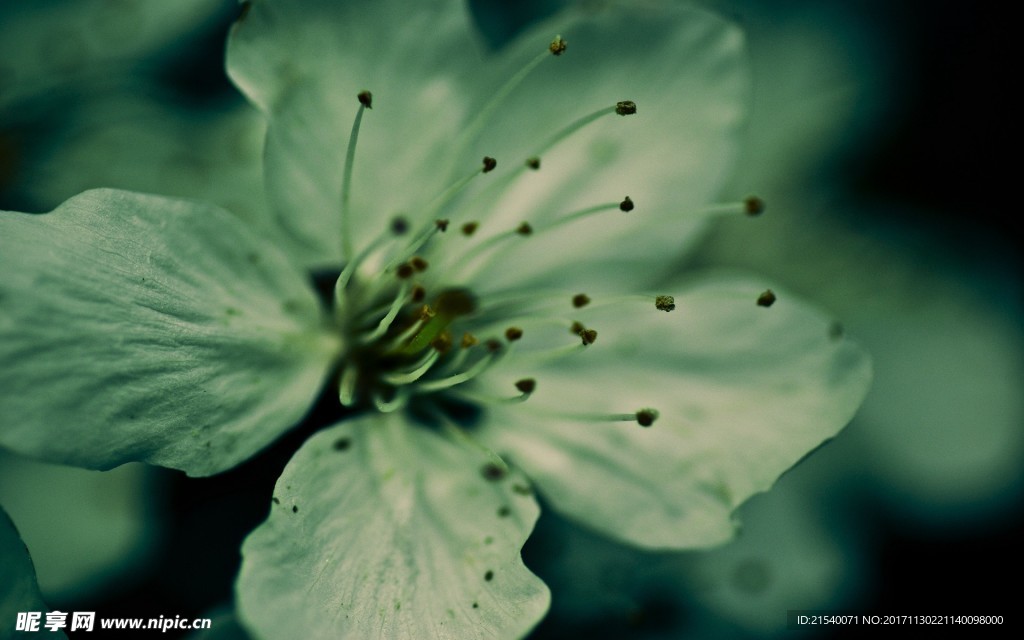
{"type": "Point", "coordinates": [877, 137]}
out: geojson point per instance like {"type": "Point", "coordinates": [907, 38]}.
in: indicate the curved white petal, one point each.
{"type": "Point", "coordinates": [381, 528]}
{"type": "Point", "coordinates": [686, 71]}
{"type": "Point", "coordinates": [743, 393]}
{"type": "Point", "coordinates": [142, 328]}
{"type": "Point", "coordinates": [304, 63]}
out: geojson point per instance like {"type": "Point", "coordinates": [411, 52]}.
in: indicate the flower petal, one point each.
{"type": "Point", "coordinates": [143, 328]}
{"type": "Point", "coordinates": [384, 529]}
{"type": "Point", "coordinates": [686, 71]}
{"type": "Point", "coordinates": [743, 392]}
{"type": "Point", "coordinates": [18, 589]}
{"type": "Point", "coordinates": [304, 64]}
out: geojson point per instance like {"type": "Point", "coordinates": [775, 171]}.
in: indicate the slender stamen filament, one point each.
{"type": "Point", "coordinates": [345, 277]}
{"type": "Point", "coordinates": [481, 365]}
{"type": "Point", "coordinates": [418, 370]}
{"type": "Point", "coordinates": [346, 181]}
{"type": "Point", "coordinates": [347, 385]}
{"type": "Point", "coordinates": [396, 306]}
{"type": "Point", "coordinates": [458, 434]}
{"type": "Point", "coordinates": [400, 399]}
{"type": "Point", "coordinates": [498, 186]}
{"type": "Point", "coordinates": [471, 258]}
{"type": "Point", "coordinates": [484, 115]}
{"type": "Point", "coordinates": [432, 226]}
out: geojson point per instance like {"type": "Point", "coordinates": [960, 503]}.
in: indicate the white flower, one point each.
{"type": "Point", "coordinates": [488, 320]}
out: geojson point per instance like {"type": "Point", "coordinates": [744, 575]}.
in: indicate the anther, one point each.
{"type": "Point", "coordinates": [441, 224]}
{"type": "Point", "coordinates": [418, 294]}
{"type": "Point", "coordinates": [533, 163]}
{"type": "Point", "coordinates": [766, 299]}
{"type": "Point", "coordinates": [577, 328]}
{"type": "Point", "coordinates": [524, 229]}
{"type": "Point", "coordinates": [469, 340]}
{"type": "Point", "coordinates": [526, 385]}
{"type": "Point", "coordinates": [493, 472]}
{"type": "Point", "coordinates": [405, 271]}
{"type": "Point", "coordinates": [665, 303]}
{"type": "Point", "coordinates": [513, 333]}
{"type": "Point", "coordinates": [493, 345]}
{"type": "Point", "coordinates": [399, 226]}
{"type": "Point", "coordinates": [626, 204]}
{"type": "Point", "coordinates": [646, 417]}
{"type": "Point", "coordinates": [625, 108]}
{"type": "Point", "coordinates": [589, 336]}
{"type": "Point", "coordinates": [579, 301]}
{"type": "Point", "coordinates": [470, 228]}
{"type": "Point", "coordinates": [366, 99]}
{"type": "Point", "coordinates": [753, 206]}
{"type": "Point", "coordinates": [426, 312]}
{"type": "Point", "coordinates": [442, 342]}
{"type": "Point", "coordinates": [419, 264]}
{"type": "Point", "coordinates": [557, 46]}
{"type": "Point", "coordinates": [489, 164]}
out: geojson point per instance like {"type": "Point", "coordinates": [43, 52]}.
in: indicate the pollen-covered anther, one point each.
{"type": "Point", "coordinates": [469, 340]}
{"type": "Point", "coordinates": [419, 264]}
{"type": "Point", "coordinates": [470, 228]}
{"type": "Point", "coordinates": [753, 206]}
{"type": "Point", "coordinates": [366, 99]}
{"type": "Point", "coordinates": [442, 342]}
{"type": "Point", "coordinates": [441, 224]}
{"type": "Point", "coordinates": [625, 108]}
{"type": "Point", "coordinates": [526, 385]}
{"type": "Point", "coordinates": [579, 301]}
{"type": "Point", "coordinates": [426, 312]}
{"type": "Point", "coordinates": [405, 271]}
{"type": "Point", "coordinates": [589, 336]}
{"type": "Point", "coordinates": [646, 417]}
{"type": "Point", "coordinates": [557, 46]}
{"type": "Point", "coordinates": [524, 229]}
{"type": "Point", "coordinates": [513, 334]}
{"type": "Point", "coordinates": [766, 299]}
{"type": "Point", "coordinates": [665, 303]}
{"type": "Point", "coordinates": [489, 164]}
{"type": "Point", "coordinates": [399, 226]}
{"type": "Point", "coordinates": [627, 204]}
{"type": "Point", "coordinates": [533, 163]}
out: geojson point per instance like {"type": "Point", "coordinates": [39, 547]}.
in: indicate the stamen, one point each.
{"type": "Point", "coordinates": [468, 340]}
{"type": "Point", "coordinates": [626, 205]}
{"type": "Point", "coordinates": [754, 206]}
{"type": "Point", "coordinates": [417, 371]}
{"type": "Point", "coordinates": [418, 294]}
{"type": "Point", "coordinates": [439, 202]}
{"type": "Point", "coordinates": [365, 99]}
{"type": "Point", "coordinates": [665, 303]}
{"type": "Point", "coordinates": [347, 385]}
{"type": "Point", "coordinates": [643, 417]}
{"type": "Point", "coordinates": [524, 229]}
{"type": "Point", "coordinates": [589, 336]}
{"type": "Point", "coordinates": [625, 108]}
{"type": "Point", "coordinates": [557, 46]}
{"type": "Point", "coordinates": [533, 163]}
{"type": "Point", "coordinates": [405, 271]}
{"type": "Point", "coordinates": [469, 228]}
{"type": "Point", "coordinates": [385, 322]}
{"type": "Point", "coordinates": [526, 385]}
{"type": "Point", "coordinates": [400, 399]}
{"type": "Point", "coordinates": [513, 334]}
{"type": "Point", "coordinates": [485, 399]}
{"type": "Point", "coordinates": [478, 367]}
{"type": "Point", "coordinates": [766, 299]}
{"type": "Point", "coordinates": [495, 469]}
{"type": "Point", "coordinates": [419, 264]}
{"type": "Point", "coordinates": [472, 131]}
{"type": "Point", "coordinates": [580, 300]}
